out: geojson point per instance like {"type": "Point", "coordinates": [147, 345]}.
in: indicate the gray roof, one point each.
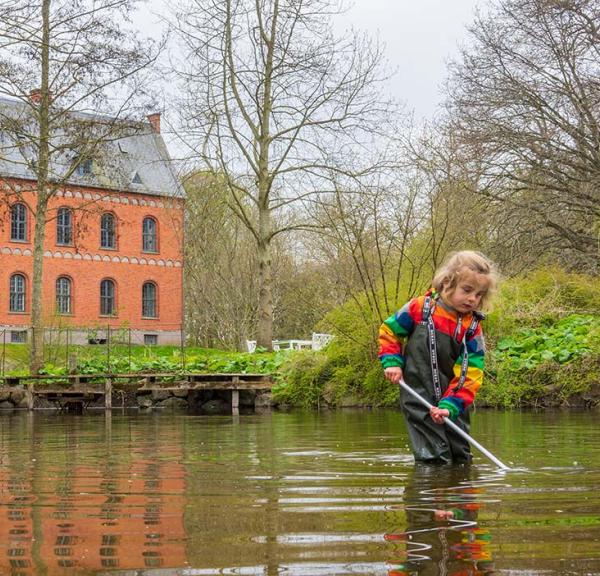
{"type": "Point", "coordinates": [125, 156]}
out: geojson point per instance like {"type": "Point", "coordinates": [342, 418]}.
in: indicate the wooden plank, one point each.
{"type": "Point", "coordinates": [101, 388]}
{"type": "Point", "coordinates": [212, 386]}
{"type": "Point", "coordinates": [77, 388]}
{"type": "Point", "coordinates": [108, 394]}
{"type": "Point", "coordinates": [29, 396]}
{"type": "Point", "coordinates": [67, 392]}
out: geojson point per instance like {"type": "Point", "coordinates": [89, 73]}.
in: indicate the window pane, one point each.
{"type": "Point", "coordinates": [84, 167]}
{"type": "Point", "coordinates": [107, 297]}
{"type": "Point", "coordinates": [63, 295]}
{"type": "Point", "coordinates": [107, 231]}
{"type": "Point", "coordinates": [17, 293]}
{"type": "Point", "coordinates": [149, 300]}
{"type": "Point", "coordinates": [18, 222]}
{"type": "Point", "coordinates": [149, 243]}
{"type": "Point", "coordinates": [18, 336]}
{"type": "Point", "coordinates": [63, 226]}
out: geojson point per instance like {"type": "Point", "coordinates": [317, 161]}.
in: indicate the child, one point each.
{"type": "Point", "coordinates": [436, 344]}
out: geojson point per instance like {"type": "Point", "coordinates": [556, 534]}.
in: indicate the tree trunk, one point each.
{"type": "Point", "coordinates": [36, 358]}
{"type": "Point", "coordinates": [264, 336]}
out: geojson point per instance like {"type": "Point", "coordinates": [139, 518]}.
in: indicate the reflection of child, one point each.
{"type": "Point", "coordinates": [442, 535]}
{"type": "Point", "coordinates": [440, 515]}
{"type": "Point", "coordinates": [435, 343]}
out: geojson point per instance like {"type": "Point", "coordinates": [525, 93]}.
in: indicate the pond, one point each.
{"type": "Point", "coordinates": [298, 493]}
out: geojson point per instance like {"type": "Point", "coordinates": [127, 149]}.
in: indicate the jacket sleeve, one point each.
{"type": "Point", "coordinates": [393, 333]}
{"type": "Point", "coordinates": [456, 401]}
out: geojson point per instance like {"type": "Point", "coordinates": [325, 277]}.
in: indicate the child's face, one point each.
{"type": "Point", "coordinates": [469, 291]}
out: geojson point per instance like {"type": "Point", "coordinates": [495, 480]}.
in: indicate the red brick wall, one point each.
{"type": "Point", "coordinates": [87, 264]}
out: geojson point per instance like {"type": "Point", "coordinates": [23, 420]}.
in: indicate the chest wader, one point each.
{"type": "Point", "coordinates": [429, 368]}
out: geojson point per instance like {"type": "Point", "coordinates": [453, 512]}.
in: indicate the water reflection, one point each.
{"type": "Point", "coordinates": [71, 503]}
{"type": "Point", "coordinates": [442, 535]}
{"type": "Point", "coordinates": [292, 494]}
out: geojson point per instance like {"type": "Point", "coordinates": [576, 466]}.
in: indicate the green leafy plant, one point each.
{"type": "Point", "coordinates": [562, 342]}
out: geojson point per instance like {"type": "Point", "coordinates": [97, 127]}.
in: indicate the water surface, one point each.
{"type": "Point", "coordinates": [294, 494]}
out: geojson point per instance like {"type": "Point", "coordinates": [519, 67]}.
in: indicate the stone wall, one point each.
{"type": "Point", "coordinates": [196, 401]}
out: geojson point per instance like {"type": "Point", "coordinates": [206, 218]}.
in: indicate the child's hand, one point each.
{"type": "Point", "coordinates": [438, 414]}
{"type": "Point", "coordinates": [443, 514]}
{"type": "Point", "coordinates": [393, 374]}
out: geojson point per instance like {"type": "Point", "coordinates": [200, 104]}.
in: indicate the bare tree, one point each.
{"type": "Point", "coordinates": [525, 102]}
{"type": "Point", "coordinates": [455, 216]}
{"type": "Point", "coordinates": [220, 283]}
{"type": "Point", "coordinates": [220, 279]}
{"type": "Point", "coordinates": [274, 102]}
{"type": "Point", "coordinates": [61, 62]}
{"type": "Point", "coordinates": [366, 236]}
{"type": "Point", "coordinates": [304, 292]}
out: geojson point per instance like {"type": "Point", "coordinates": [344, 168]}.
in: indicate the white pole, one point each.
{"type": "Point", "coordinates": [456, 428]}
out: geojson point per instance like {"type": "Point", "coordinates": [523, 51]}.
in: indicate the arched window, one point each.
{"type": "Point", "coordinates": [108, 237]}
{"type": "Point", "coordinates": [149, 308]}
{"type": "Point", "coordinates": [149, 236]}
{"type": "Point", "coordinates": [107, 298]}
{"type": "Point", "coordinates": [63, 295]}
{"type": "Point", "coordinates": [17, 293]}
{"type": "Point", "coordinates": [18, 222]}
{"type": "Point", "coordinates": [64, 226]}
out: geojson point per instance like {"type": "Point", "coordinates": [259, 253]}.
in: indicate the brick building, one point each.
{"type": "Point", "coordinates": [113, 246]}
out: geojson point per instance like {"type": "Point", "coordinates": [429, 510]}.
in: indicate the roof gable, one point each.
{"type": "Point", "coordinates": [89, 150]}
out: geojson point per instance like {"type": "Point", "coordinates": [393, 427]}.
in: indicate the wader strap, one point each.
{"type": "Point", "coordinates": [431, 341]}
{"type": "Point", "coordinates": [465, 361]}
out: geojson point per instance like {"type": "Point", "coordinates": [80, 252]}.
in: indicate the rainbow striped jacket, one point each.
{"type": "Point", "coordinates": [394, 332]}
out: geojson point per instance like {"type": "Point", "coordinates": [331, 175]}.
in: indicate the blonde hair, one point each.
{"type": "Point", "coordinates": [456, 264]}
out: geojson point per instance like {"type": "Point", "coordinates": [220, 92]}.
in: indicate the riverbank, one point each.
{"type": "Point", "coordinates": [308, 379]}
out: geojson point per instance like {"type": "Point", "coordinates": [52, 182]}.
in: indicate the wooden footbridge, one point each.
{"type": "Point", "coordinates": [86, 389]}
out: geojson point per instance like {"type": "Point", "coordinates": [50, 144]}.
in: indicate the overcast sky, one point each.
{"type": "Point", "coordinates": [420, 37]}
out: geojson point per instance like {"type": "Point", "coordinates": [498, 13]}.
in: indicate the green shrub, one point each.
{"type": "Point", "coordinates": [379, 391]}
{"type": "Point", "coordinates": [548, 384]}
{"type": "Point", "coordinates": [545, 365]}
{"type": "Point", "coordinates": [166, 359]}
{"type": "Point", "coordinates": [540, 298]}
{"type": "Point", "coordinates": [302, 378]}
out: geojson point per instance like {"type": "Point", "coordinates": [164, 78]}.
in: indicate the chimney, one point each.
{"type": "Point", "coordinates": [36, 96]}
{"type": "Point", "coordinates": [154, 120]}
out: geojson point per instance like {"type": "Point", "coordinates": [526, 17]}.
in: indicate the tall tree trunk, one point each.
{"type": "Point", "coordinates": [264, 336]}
{"type": "Point", "coordinates": [36, 358]}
